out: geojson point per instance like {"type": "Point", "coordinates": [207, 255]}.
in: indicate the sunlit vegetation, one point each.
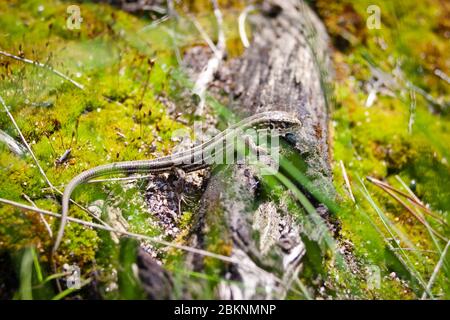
{"type": "Point", "coordinates": [389, 122]}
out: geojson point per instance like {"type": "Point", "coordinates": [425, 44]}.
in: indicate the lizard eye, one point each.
{"type": "Point", "coordinates": [290, 137]}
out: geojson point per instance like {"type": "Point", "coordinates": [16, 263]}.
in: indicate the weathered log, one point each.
{"type": "Point", "coordinates": [283, 69]}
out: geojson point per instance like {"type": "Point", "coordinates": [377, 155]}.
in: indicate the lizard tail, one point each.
{"type": "Point", "coordinates": [82, 177]}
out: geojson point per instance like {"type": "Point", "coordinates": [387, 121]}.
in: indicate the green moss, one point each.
{"type": "Point", "coordinates": [376, 141]}
{"type": "Point", "coordinates": [125, 65]}
{"type": "Point", "coordinates": [119, 117]}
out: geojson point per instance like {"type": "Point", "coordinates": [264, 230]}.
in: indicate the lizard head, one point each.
{"type": "Point", "coordinates": [281, 121]}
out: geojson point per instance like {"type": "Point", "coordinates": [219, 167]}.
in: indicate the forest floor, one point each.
{"type": "Point", "coordinates": [389, 121]}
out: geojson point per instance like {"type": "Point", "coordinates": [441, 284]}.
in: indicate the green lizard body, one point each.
{"type": "Point", "coordinates": [190, 160]}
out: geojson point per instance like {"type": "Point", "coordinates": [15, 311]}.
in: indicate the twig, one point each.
{"type": "Point", "coordinates": [171, 8]}
{"type": "Point", "coordinates": [436, 271]}
{"type": "Point", "coordinates": [172, 14]}
{"type": "Point", "coordinates": [206, 76]}
{"type": "Point", "coordinates": [420, 204]}
{"type": "Point", "coordinates": [155, 23]}
{"type": "Point", "coordinates": [415, 200]}
{"type": "Point", "coordinates": [398, 73]}
{"type": "Point", "coordinates": [430, 99]}
{"type": "Point", "coordinates": [64, 157]}
{"type": "Point", "coordinates": [408, 208]}
{"type": "Point", "coordinates": [205, 36]}
{"type": "Point", "coordinates": [347, 182]}
{"type": "Point", "coordinates": [137, 6]}
{"type": "Point", "coordinates": [36, 63]}
{"type": "Point", "coordinates": [418, 250]}
{"type": "Point", "coordinates": [412, 198]}
{"type": "Point", "coordinates": [412, 194]}
{"type": "Point", "coordinates": [26, 143]}
{"type": "Point", "coordinates": [241, 22]}
{"type": "Point", "coordinates": [412, 110]}
{"type": "Point", "coordinates": [392, 230]}
{"type": "Point", "coordinates": [47, 226]}
{"type": "Point", "coordinates": [12, 144]}
{"type": "Point", "coordinates": [441, 74]}
{"type": "Point", "coordinates": [49, 183]}
{"type": "Point", "coordinates": [129, 178]}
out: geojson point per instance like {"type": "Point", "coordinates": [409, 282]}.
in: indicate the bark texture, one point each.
{"type": "Point", "coordinates": [283, 69]}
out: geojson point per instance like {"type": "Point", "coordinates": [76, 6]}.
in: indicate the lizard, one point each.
{"type": "Point", "coordinates": [190, 160]}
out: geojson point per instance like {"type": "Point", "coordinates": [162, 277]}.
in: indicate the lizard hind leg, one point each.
{"type": "Point", "coordinates": [179, 185]}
